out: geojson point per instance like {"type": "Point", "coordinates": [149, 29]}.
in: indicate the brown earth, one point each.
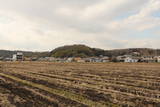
{"type": "Point", "coordinates": [46, 84]}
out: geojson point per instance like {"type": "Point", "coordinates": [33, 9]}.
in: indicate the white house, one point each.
{"type": "Point", "coordinates": [18, 57]}
{"type": "Point", "coordinates": [70, 59]}
{"type": "Point", "coordinates": [14, 58]}
{"type": "Point", "coordinates": [158, 59]}
{"type": "Point", "coordinates": [105, 59]}
{"type": "Point", "coordinates": [131, 60]}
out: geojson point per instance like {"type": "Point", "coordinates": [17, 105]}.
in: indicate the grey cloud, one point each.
{"type": "Point", "coordinates": [70, 21]}
{"type": "Point", "coordinates": [45, 11]}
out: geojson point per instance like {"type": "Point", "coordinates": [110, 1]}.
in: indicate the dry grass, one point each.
{"type": "Point", "coordinates": [88, 84]}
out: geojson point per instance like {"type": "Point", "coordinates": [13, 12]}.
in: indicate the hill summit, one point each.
{"type": "Point", "coordinates": [76, 51]}
{"type": "Point", "coordinates": [86, 51]}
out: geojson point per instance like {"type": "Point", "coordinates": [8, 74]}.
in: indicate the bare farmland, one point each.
{"type": "Point", "coordinates": [40, 84]}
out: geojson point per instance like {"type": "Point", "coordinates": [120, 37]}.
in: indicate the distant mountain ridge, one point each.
{"type": "Point", "coordinates": [79, 50]}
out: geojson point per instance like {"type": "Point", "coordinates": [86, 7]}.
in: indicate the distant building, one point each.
{"type": "Point", "coordinates": [82, 61]}
{"type": "Point", "coordinates": [70, 59]}
{"type": "Point", "coordinates": [158, 59]}
{"type": "Point", "coordinates": [50, 59]}
{"type": "Point", "coordinates": [18, 57]}
{"type": "Point", "coordinates": [136, 54]}
{"type": "Point", "coordinates": [95, 59]}
{"type": "Point", "coordinates": [1, 58]}
{"type": "Point", "coordinates": [87, 59]}
{"type": "Point", "coordinates": [7, 59]}
{"type": "Point", "coordinates": [149, 59]}
{"type": "Point", "coordinates": [27, 59]}
{"type": "Point", "coordinates": [14, 58]}
{"type": "Point", "coordinates": [34, 59]}
{"type": "Point", "coordinates": [105, 59]}
{"type": "Point", "coordinates": [78, 59]}
{"type": "Point", "coordinates": [120, 58]}
{"type": "Point", "coordinates": [131, 60]}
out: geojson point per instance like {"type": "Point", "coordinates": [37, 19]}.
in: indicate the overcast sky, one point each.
{"type": "Point", "coordinates": [42, 25]}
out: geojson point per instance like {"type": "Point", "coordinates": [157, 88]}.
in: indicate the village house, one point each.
{"type": "Point", "coordinates": [1, 58]}
{"type": "Point", "coordinates": [7, 59]}
{"type": "Point", "coordinates": [78, 59]}
{"type": "Point", "coordinates": [157, 59]}
{"type": "Point", "coordinates": [105, 59]}
{"type": "Point", "coordinates": [120, 58]}
{"type": "Point", "coordinates": [81, 61]}
{"type": "Point", "coordinates": [34, 59]}
{"type": "Point", "coordinates": [97, 59]}
{"type": "Point", "coordinates": [148, 59]}
{"type": "Point", "coordinates": [135, 54]}
{"type": "Point", "coordinates": [51, 59]}
{"type": "Point", "coordinates": [93, 59]}
{"type": "Point", "coordinates": [27, 59]}
{"type": "Point", "coordinates": [60, 59]}
{"type": "Point", "coordinates": [18, 57]}
{"type": "Point", "coordinates": [42, 59]}
{"type": "Point", "coordinates": [131, 60]}
{"type": "Point", "coordinates": [87, 59]}
{"type": "Point", "coordinates": [70, 59]}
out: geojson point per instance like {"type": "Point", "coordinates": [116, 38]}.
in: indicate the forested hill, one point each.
{"type": "Point", "coordinates": [76, 51]}
{"type": "Point", "coordinates": [8, 53]}
{"type": "Point", "coordinates": [85, 51]}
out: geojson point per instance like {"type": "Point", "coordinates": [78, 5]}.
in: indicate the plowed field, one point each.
{"type": "Point", "coordinates": [44, 84]}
